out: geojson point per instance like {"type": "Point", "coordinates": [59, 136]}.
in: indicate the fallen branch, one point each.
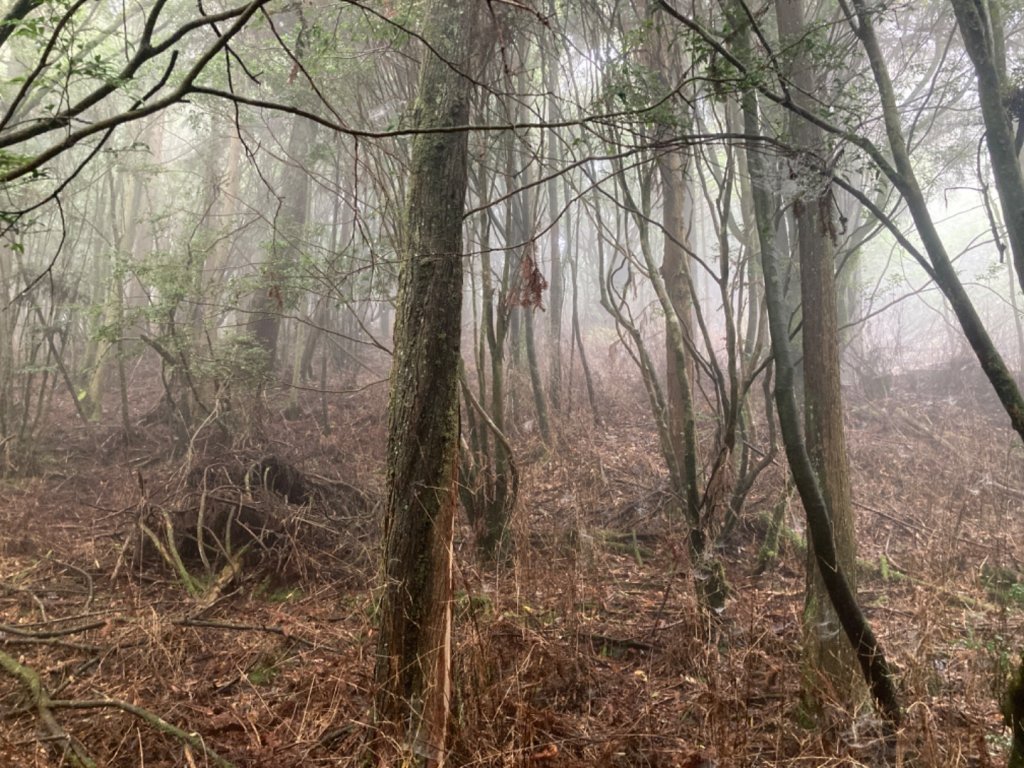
{"type": "Point", "coordinates": [604, 643]}
{"type": "Point", "coordinates": [14, 629]}
{"type": "Point", "coordinates": [24, 591]}
{"type": "Point", "coordinates": [170, 555]}
{"type": "Point", "coordinates": [82, 572]}
{"type": "Point", "coordinates": [74, 752]}
{"type": "Point", "coordinates": [267, 628]}
{"type": "Point", "coordinates": [193, 740]}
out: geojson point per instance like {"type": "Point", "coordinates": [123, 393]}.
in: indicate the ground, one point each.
{"type": "Point", "coordinates": [588, 649]}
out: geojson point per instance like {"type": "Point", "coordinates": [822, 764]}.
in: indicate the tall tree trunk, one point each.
{"type": "Point", "coordinates": [414, 644]}
{"type": "Point", "coordinates": [939, 266]}
{"type": "Point", "coordinates": [873, 663]}
{"type": "Point", "coordinates": [679, 367]}
{"type": "Point", "coordinates": [556, 279]}
{"type": "Point", "coordinates": [276, 294]}
{"type": "Point", "coordinates": [588, 378]}
{"type": "Point", "coordinates": [826, 651]}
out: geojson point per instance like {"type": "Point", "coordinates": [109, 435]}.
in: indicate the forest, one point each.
{"type": "Point", "coordinates": [542, 383]}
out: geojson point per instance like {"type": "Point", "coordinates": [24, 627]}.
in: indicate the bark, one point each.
{"type": "Point", "coordinates": [679, 373]}
{"type": "Point", "coordinates": [1013, 716]}
{"type": "Point", "coordinates": [826, 651]}
{"type": "Point", "coordinates": [414, 644]}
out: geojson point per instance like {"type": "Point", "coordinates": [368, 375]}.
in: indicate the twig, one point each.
{"type": "Point", "coordinates": [52, 642]}
{"type": "Point", "coordinates": [912, 527]}
{"type": "Point", "coordinates": [66, 619]}
{"type": "Point", "coordinates": [916, 527]}
{"type": "Point", "coordinates": [29, 592]}
{"type": "Point", "coordinates": [88, 579]}
{"type": "Point", "coordinates": [1014, 492]}
{"type": "Point", "coordinates": [189, 621]}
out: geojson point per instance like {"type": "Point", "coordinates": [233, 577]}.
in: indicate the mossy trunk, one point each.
{"type": "Point", "coordinates": [414, 643]}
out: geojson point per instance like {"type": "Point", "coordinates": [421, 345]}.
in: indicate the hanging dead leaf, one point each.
{"type": "Point", "coordinates": [533, 285]}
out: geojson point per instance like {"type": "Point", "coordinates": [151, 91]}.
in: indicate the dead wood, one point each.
{"type": "Point", "coordinates": [71, 749]}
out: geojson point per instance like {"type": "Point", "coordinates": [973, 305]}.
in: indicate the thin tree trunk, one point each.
{"type": "Point", "coordinates": [939, 265]}
{"type": "Point", "coordinates": [556, 278]}
{"type": "Point", "coordinates": [276, 296]}
{"type": "Point", "coordinates": [578, 335]}
{"type": "Point", "coordinates": [540, 403]}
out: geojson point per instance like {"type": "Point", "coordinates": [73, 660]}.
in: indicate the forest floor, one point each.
{"type": "Point", "coordinates": [588, 650]}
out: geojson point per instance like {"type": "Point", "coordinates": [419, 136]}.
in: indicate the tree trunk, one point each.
{"type": "Point", "coordinates": [1013, 716]}
{"type": "Point", "coordinates": [578, 335]}
{"type": "Point", "coordinates": [826, 652]}
{"type": "Point", "coordinates": [289, 226]}
{"type": "Point", "coordinates": [540, 402]}
{"type": "Point", "coordinates": [556, 278]}
{"type": "Point", "coordinates": [939, 266]}
{"type": "Point", "coordinates": [869, 652]}
{"type": "Point", "coordinates": [414, 644]}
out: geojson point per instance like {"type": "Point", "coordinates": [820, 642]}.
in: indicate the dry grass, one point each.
{"type": "Point", "coordinates": [589, 650]}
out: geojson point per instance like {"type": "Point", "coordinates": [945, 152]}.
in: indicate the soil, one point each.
{"type": "Point", "coordinates": [589, 649]}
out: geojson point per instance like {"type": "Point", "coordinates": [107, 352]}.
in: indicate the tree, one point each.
{"type": "Point", "coordinates": [861, 637]}
{"type": "Point", "coordinates": [980, 25]}
{"type": "Point", "coordinates": [825, 649]}
{"type": "Point", "coordinates": [276, 295]}
{"type": "Point", "coordinates": [414, 645]}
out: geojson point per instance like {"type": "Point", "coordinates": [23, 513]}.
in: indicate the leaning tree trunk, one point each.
{"type": "Point", "coordinates": [414, 645]}
{"type": "Point", "coordinates": [982, 36]}
{"type": "Point", "coordinates": [940, 266]}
